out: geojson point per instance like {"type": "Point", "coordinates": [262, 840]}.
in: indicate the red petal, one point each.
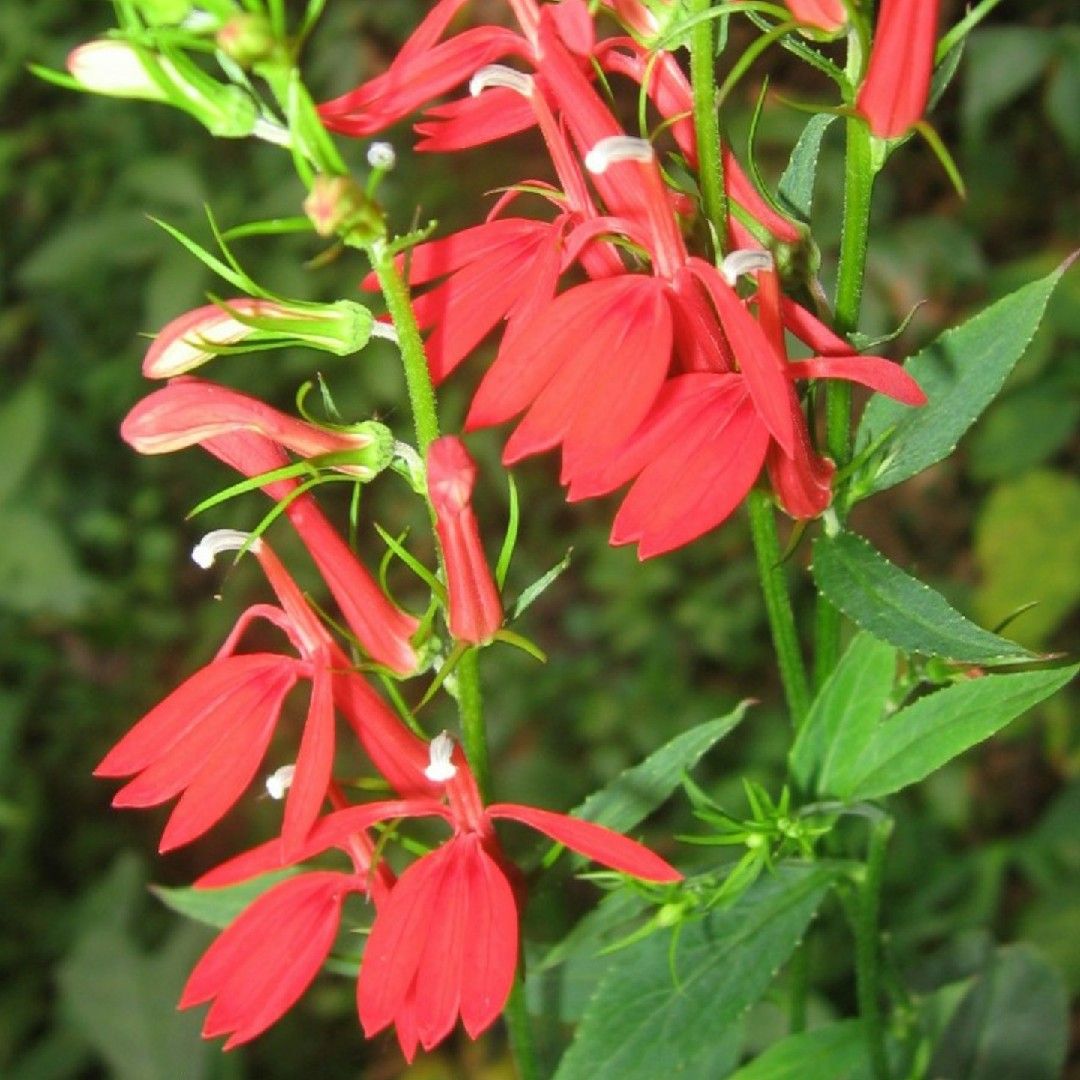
{"type": "Point", "coordinates": [594, 841]}
{"type": "Point", "coordinates": [491, 949]}
{"type": "Point", "coordinates": [496, 114]}
{"type": "Point", "coordinates": [314, 764]}
{"type": "Point", "coordinates": [398, 939]}
{"type": "Point", "coordinates": [873, 371]}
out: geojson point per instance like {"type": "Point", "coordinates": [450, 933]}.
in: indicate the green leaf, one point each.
{"type": "Point", "coordinates": [844, 715]}
{"type": "Point", "coordinates": [23, 420]}
{"type": "Point", "coordinates": [961, 373]}
{"type": "Point", "coordinates": [1027, 546]}
{"type": "Point", "coordinates": [635, 793]}
{"type": "Point", "coordinates": [899, 609]}
{"type": "Point", "coordinates": [530, 594]}
{"type": "Point", "coordinates": [834, 1052]}
{"type": "Point", "coordinates": [123, 1001]}
{"type": "Point", "coordinates": [796, 188]}
{"type": "Point", "coordinates": [1012, 1024]}
{"type": "Point", "coordinates": [657, 1014]}
{"type": "Point", "coordinates": [921, 738]}
{"type": "Point", "coordinates": [218, 907]}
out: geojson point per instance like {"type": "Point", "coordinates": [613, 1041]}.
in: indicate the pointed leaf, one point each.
{"type": "Point", "coordinates": [924, 736]}
{"type": "Point", "coordinates": [796, 189]}
{"type": "Point", "coordinates": [634, 794]}
{"type": "Point", "coordinates": [834, 1052]}
{"type": "Point", "coordinates": [844, 715]}
{"type": "Point", "coordinates": [218, 907]}
{"type": "Point", "coordinates": [961, 372]}
{"type": "Point", "coordinates": [897, 608]}
{"type": "Point", "coordinates": [641, 1024]}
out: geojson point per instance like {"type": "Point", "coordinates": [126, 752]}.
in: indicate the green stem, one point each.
{"type": "Point", "coordinates": [800, 983]}
{"type": "Point", "coordinates": [778, 605]}
{"type": "Point", "coordinates": [707, 122]}
{"type": "Point", "coordinates": [867, 934]}
{"type": "Point", "coordinates": [471, 712]}
{"type": "Point", "coordinates": [858, 189]}
{"type": "Point", "coordinates": [417, 377]}
{"type": "Point", "coordinates": [520, 1031]}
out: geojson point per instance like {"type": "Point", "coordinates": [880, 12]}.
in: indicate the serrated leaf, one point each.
{"type": "Point", "coordinates": [641, 1024]}
{"type": "Point", "coordinates": [1013, 1024]}
{"type": "Point", "coordinates": [921, 738]}
{"type": "Point", "coordinates": [961, 372]}
{"type": "Point", "coordinates": [635, 793]}
{"type": "Point", "coordinates": [834, 1052]}
{"type": "Point", "coordinates": [844, 714]}
{"type": "Point", "coordinates": [218, 907]}
{"type": "Point", "coordinates": [22, 432]}
{"type": "Point", "coordinates": [900, 609]}
{"type": "Point", "coordinates": [796, 188]}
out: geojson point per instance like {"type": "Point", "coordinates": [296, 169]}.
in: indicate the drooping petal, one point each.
{"type": "Point", "coordinates": [314, 764]}
{"type": "Point", "coordinates": [261, 964]}
{"type": "Point", "coordinates": [398, 939]}
{"type": "Point", "coordinates": [803, 483]}
{"type": "Point", "coordinates": [474, 121]}
{"type": "Point", "coordinates": [491, 947]}
{"type": "Point", "coordinates": [598, 843]}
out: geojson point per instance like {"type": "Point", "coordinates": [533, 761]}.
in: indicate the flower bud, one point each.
{"type": "Point", "coordinates": [474, 608]}
{"type": "Point", "coordinates": [338, 206]}
{"type": "Point", "coordinates": [247, 38]}
{"type": "Point", "coordinates": [113, 68]}
{"type": "Point", "coordinates": [197, 336]}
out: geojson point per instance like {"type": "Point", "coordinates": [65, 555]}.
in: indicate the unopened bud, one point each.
{"type": "Point", "coordinates": [247, 38]}
{"type": "Point", "coordinates": [164, 12]}
{"type": "Point", "coordinates": [113, 68]}
{"type": "Point", "coordinates": [338, 206]}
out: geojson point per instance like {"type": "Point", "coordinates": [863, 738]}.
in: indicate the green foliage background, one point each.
{"type": "Point", "coordinates": [101, 612]}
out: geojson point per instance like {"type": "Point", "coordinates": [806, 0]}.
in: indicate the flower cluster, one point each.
{"type": "Point", "coordinates": [641, 360]}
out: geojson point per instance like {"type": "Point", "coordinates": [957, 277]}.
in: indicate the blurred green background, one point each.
{"type": "Point", "coordinates": [102, 613]}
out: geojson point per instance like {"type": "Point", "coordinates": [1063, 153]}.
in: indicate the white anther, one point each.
{"type": "Point", "coordinates": [441, 768]}
{"type": "Point", "coordinates": [381, 155]}
{"type": "Point", "coordinates": [502, 77]}
{"type": "Point", "coordinates": [214, 543]}
{"type": "Point", "coordinates": [616, 148]}
{"type": "Point", "coordinates": [279, 781]}
{"type": "Point", "coordinates": [748, 261]}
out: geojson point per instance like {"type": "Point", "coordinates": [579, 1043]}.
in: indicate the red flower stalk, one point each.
{"type": "Point", "coordinates": [207, 739]}
{"type": "Point", "coordinates": [474, 609]}
{"type": "Point", "coordinates": [248, 436]}
{"type": "Point", "coordinates": [894, 93]}
{"type": "Point", "coordinates": [445, 941]}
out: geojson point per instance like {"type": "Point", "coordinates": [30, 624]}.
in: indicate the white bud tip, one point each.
{"type": "Point", "coordinates": [441, 768]}
{"type": "Point", "coordinates": [381, 155]}
{"type": "Point", "coordinates": [501, 77]}
{"type": "Point", "coordinates": [616, 148]}
{"type": "Point", "coordinates": [214, 543]}
{"type": "Point", "coordinates": [748, 261]}
{"type": "Point", "coordinates": [279, 781]}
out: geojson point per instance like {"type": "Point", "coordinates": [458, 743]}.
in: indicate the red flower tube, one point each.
{"type": "Point", "coordinates": [474, 609]}
{"type": "Point", "coordinates": [893, 94]}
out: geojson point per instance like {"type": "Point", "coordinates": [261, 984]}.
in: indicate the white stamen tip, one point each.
{"type": "Point", "coordinates": [214, 543]}
{"type": "Point", "coordinates": [616, 148]}
{"type": "Point", "coordinates": [384, 330]}
{"type": "Point", "coordinates": [441, 768]}
{"type": "Point", "coordinates": [279, 781]}
{"type": "Point", "coordinates": [748, 261]}
{"type": "Point", "coordinates": [381, 155]}
{"type": "Point", "coordinates": [499, 76]}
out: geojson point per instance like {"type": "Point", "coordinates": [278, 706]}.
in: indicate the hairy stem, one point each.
{"type": "Point", "coordinates": [867, 948]}
{"type": "Point", "coordinates": [707, 121]}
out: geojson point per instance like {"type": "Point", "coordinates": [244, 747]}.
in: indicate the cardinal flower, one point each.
{"type": "Point", "coordinates": [474, 609]}
{"type": "Point", "coordinates": [893, 95]}
{"type": "Point", "coordinates": [206, 740]}
{"type": "Point", "coordinates": [444, 942]}
{"type": "Point", "coordinates": [248, 435]}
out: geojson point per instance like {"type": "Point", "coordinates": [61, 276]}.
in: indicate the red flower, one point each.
{"type": "Point", "coordinates": [248, 435]}
{"type": "Point", "coordinates": [893, 95]}
{"type": "Point", "coordinates": [474, 609]}
{"type": "Point", "coordinates": [445, 941]}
